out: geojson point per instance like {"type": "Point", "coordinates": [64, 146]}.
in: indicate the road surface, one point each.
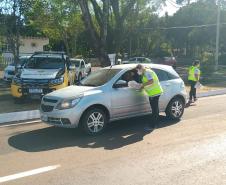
{"type": "Point", "coordinates": [192, 151]}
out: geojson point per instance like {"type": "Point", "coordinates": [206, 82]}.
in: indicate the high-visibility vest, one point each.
{"type": "Point", "coordinates": [154, 89]}
{"type": "Point", "coordinates": [191, 74]}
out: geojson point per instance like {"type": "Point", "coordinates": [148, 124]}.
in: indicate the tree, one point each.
{"type": "Point", "coordinates": [99, 34]}
{"type": "Point", "coordinates": [12, 12]}
{"type": "Point", "coordinates": [62, 22]}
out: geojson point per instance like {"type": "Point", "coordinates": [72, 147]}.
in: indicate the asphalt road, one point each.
{"type": "Point", "coordinates": [192, 151]}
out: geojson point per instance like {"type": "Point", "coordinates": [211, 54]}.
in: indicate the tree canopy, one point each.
{"type": "Point", "coordinates": [99, 27]}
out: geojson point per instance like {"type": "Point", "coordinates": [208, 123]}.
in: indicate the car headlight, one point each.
{"type": "Point", "coordinates": [17, 80]}
{"type": "Point", "coordinates": [67, 104]}
{"type": "Point", "coordinates": [57, 80]}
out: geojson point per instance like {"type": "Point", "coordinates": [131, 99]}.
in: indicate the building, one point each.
{"type": "Point", "coordinates": [28, 45]}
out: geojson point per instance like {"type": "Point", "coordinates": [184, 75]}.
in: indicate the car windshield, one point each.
{"type": "Point", "coordinates": [45, 63]}
{"type": "Point", "coordinates": [99, 77]}
{"type": "Point", "coordinates": [132, 59]}
{"type": "Point", "coordinates": [76, 62]}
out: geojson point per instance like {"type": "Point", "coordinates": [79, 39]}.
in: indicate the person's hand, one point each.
{"type": "Point", "coordinates": [141, 86]}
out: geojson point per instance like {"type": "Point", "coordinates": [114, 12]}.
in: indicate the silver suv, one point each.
{"type": "Point", "coordinates": [105, 96]}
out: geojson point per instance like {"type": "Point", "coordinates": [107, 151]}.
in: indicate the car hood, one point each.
{"type": "Point", "coordinates": [73, 91]}
{"type": "Point", "coordinates": [39, 73]}
{"type": "Point", "coordinates": [10, 68]}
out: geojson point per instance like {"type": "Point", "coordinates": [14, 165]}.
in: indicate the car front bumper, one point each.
{"type": "Point", "coordinates": [23, 90]}
{"type": "Point", "coordinates": [68, 118]}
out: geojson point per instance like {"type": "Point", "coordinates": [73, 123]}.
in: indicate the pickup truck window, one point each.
{"type": "Point", "coordinates": [45, 63]}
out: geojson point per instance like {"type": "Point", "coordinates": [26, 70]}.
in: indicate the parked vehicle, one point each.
{"type": "Point", "coordinates": [105, 96]}
{"type": "Point", "coordinates": [136, 60]}
{"type": "Point", "coordinates": [9, 71]}
{"type": "Point", "coordinates": [43, 73]}
{"type": "Point", "coordinates": [83, 69]}
{"type": "Point", "coordinates": [170, 61]}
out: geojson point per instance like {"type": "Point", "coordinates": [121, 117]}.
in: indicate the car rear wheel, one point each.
{"type": "Point", "coordinates": [89, 71]}
{"type": "Point", "coordinates": [94, 121]}
{"type": "Point", "coordinates": [175, 109]}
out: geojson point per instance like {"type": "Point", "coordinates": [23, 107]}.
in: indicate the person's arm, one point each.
{"type": "Point", "coordinates": [150, 82]}
{"type": "Point", "coordinates": [197, 74]}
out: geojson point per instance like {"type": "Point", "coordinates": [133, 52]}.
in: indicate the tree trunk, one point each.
{"type": "Point", "coordinates": [98, 42]}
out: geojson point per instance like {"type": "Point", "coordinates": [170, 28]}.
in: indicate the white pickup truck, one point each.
{"type": "Point", "coordinates": [83, 69]}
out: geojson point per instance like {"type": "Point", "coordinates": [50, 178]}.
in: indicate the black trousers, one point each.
{"type": "Point", "coordinates": [192, 90]}
{"type": "Point", "coordinates": [154, 102]}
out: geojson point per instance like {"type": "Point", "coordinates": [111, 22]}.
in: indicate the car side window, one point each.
{"type": "Point", "coordinates": [171, 76]}
{"type": "Point", "coordinates": [162, 75]}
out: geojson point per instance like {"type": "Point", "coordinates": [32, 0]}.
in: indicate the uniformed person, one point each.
{"type": "Point", "coordinates": [193, 78]}
{"type": "Point", "coordinates": [151, 85]}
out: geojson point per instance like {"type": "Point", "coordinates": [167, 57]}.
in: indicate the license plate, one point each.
{"type": "Point", "coordinates": [34, 91]}
{"type": "Point", "coordinates": [44, 118]}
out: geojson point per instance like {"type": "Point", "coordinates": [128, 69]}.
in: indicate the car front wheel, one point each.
{"type": "Point", "coordinates": [175, 109]}
{"type": "Point", "coordinates": [94, 121]}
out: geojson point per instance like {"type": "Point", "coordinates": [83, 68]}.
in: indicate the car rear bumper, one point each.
{"type": "Point", "coordinates": [8, 77]}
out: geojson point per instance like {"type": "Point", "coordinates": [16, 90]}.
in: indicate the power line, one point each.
{"type": "Point", "coordinates": [184, 27]}
{"type": "Point", "coordinates": [173, 4]}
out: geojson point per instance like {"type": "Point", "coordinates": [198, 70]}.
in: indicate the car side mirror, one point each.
{"type": "Point", "coordinates": [72, 67]}
{"type": "Point", "coordinates": [120, 84]}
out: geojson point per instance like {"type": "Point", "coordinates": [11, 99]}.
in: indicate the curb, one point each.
{"type": "Point", "coordinates": [19, 116]}
{"type": "Point", "coordinates": [212, 93]}
{"type": "Point", "coordinates": [34, 114]}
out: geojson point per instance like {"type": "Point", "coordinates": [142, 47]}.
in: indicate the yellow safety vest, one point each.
{"type": "Point", "coordinates": [154, 89]}
{"type": "Point", "coordinates": [191, 74]}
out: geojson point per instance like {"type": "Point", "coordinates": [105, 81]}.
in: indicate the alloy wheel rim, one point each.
{"type": "Point", "coordinates": [95, 122]}
{"type": "Point", "coordinates": [177, 109]}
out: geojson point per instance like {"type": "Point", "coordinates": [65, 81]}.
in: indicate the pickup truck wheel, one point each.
{"type": "Point", "coordinates": [94, 121]}
{"type": "Point", "coordinates": [175, 109]}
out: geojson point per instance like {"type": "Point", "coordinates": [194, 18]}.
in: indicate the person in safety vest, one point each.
{"type": "Point", "coordinates": [193, 78]}
{"type": "Point", "coordinates": [150, 83]}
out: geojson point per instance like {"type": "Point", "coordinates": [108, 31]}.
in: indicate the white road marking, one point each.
{"type": "Point", "coordinates": [28, 173]}
{"type": "Point", "coordinates": [21, 123]}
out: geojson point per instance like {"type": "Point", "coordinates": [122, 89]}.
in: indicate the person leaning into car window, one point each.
{"type": "Point", "coordinates": [151, 85]}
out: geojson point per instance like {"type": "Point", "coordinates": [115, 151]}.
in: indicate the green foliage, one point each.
{"type": "Point", "coordinates": [207, 63]}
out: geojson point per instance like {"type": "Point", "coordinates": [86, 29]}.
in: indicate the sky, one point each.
{"type": "Point", "coordinates": [170, 7]}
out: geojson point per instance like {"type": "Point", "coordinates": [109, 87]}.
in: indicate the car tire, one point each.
{"type": "Point", "coordinates": [175, 109]}
{"type": "Point", "coordinates": [79, 77]}
{"type": "Point", "coordinates": [94, 121]}
{"type": "Point", "coordinates": [89, 71]}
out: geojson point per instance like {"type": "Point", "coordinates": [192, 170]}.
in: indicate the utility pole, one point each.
{"type": "Point", "coordinates": [217, 35]}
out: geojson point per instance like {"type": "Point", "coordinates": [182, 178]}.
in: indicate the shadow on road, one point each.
{"type": "Point", "coordinates": [118, 134]}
